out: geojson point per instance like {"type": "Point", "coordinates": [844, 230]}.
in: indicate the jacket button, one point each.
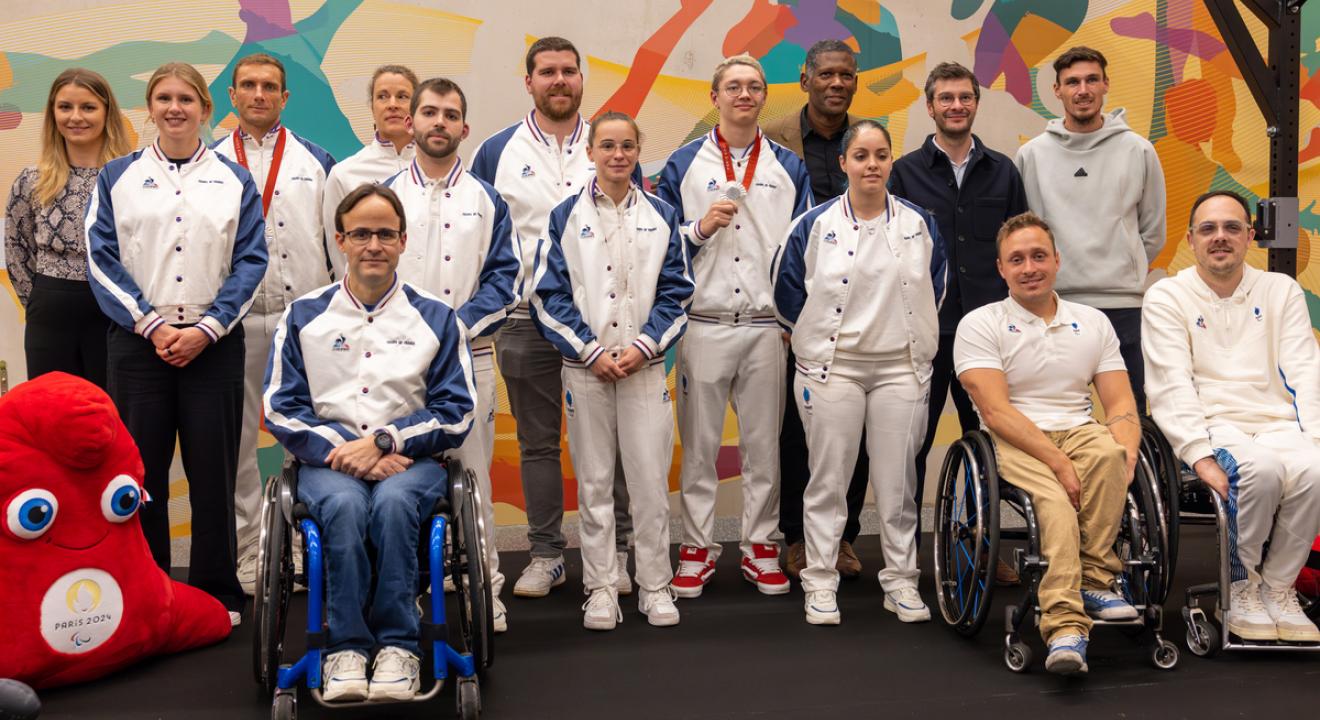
{"type": "Point", "coordinates": [277, 192]}
{"type": "Point", "coordinates": [609, 267]}
{"type": "Point", "coordinates": [446, 226]}
{"type": "Point", "coordinates": [838, 310]}
{"type": "Point", "coordinates": [280, 223]}
{"type": "Point", "coordinates": [446, 257]}
{"type": "Point", "coordinates": [446, 291]}
{"type": "Point", "coordinates": [178, 219]}
{"type": "Point", "coordinates": [364, 427]}
{"type": "Point", "coordinates": [178, 278]}
{"type": "Point", "coordinates": [962, 239]}
{"type": "Point", "coordinates": [368, 353]}
{"type": "Point", "coordinates": [611, 296]}
{"type": "Point", "coordinates": [845, 281]}
{"type": "Point", "coordinates": [737, 290]}
{"type": "Point", "coordinates": [364, 391]}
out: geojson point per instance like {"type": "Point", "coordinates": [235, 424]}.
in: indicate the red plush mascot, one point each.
{"type": "Point", "coordinates": [1308, 582]}
{"type": "Point", "coordinates": [81, 595]}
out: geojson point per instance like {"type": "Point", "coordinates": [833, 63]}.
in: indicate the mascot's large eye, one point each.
{"type": "Point", "coordinates": [121, 499]}
{"type": "Point", "coordinates": [31, 513]}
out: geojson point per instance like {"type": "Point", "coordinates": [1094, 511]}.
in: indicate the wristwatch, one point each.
{"type": "Point", "coordinates": [384, 442]}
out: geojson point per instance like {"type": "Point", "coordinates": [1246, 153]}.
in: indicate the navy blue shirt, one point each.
{"type": "Point", "coordinates": [969, 217]}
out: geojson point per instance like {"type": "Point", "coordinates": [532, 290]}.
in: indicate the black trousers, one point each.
{"type": "Point", "coordinates": [942, 383]}
{"type": "Point", "coordinates": [795, 473]}
{"type": "Point", "coordinates": [201, 404]}
{"type": "Point", "coordinates": [65, 330]}
{"type": "Point", "coordinates": [1127, 325]}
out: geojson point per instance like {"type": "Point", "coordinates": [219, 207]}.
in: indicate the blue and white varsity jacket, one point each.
{"type": "Point", "coordinates": [339, 371]}
{"type": "Point", "coordinates": [817, 257]}
{"type": "Point", "coordinates": [607, 277]}
{"type": "Point", "coordinates": [461, 247]}
{"type": "Point", "coordinates": [296, 241]}
{"type": "Point", "coordinates": [178, 244]}
{"type": "Point", "coordinates": [732, 268]}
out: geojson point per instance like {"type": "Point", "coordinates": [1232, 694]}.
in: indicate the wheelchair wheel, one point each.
{"type": "Point", "coordinates": [469, 699]}
{"type": "Point", "coordinates": [470, 573]}
{"type": "Point", "coordinates": [1167, 480]}
{"type": "Point", "coordinates": [284, 707]}
{"type": "Point", "coordinates": [1202, 638]}
{"type": "Point", "coordinates": [274, 583]}
{"type": "Point", "coordinates": [967, 533]}
{"type": "Point", "coordinates": [1140, 535]}
{"type": "Point", "coordinates": [1017, 656]}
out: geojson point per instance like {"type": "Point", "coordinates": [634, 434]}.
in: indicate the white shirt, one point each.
{"type": "Point", "coordinates": [295, 237]}
{"type": "Point", "coordinates": [875, 281]}
{"type": "Point", "coordinates": [1049, 366]}
{"type": "Point", "coordinates": [960, 168]}
{"type": "Point", "coordinates": [376, 161]}
{"type": "Point", "coordinates": [1248, 360]}
{"type": "Point", "coordinates": [533, 172]}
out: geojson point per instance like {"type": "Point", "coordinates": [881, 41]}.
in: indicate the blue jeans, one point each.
{"type": "Point", "coordinates": [389, 513]}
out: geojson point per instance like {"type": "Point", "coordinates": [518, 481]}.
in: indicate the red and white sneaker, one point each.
{"type": "Point", "coordinates": [762, 568]}
{"type": "Point", "coordinates": [695, 568]}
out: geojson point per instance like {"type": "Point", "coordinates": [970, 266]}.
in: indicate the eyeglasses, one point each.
{"type": "Point", "coordinates": [946, 99]}
{"type": "Point", "coordinates": [1232, 228]}
{"type": "Point", "coordinates": [734, 90]}
{"type": "Point", "coordinates": [362, 236]}
{"type": "Point", "coordinates": [609, 146]}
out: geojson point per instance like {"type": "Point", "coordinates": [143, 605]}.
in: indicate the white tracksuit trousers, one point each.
{"type": "Point", "coordinates": [477, 453]}
{"type": "Point", "coordinates": [632, 418]}
{"type": "Point", "coordinates": [1273, 473]}
{"type": "Point", "coordinates": [258, 331]}
{"type": "Point", "coordinates": [891, 402]}
{"type": "Point", "coordinates": [717, 364]}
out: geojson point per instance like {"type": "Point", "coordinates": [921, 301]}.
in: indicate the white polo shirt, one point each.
{"type": "Point", "coordinates": [1049, 366]}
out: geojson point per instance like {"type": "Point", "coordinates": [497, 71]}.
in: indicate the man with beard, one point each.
{"type": "Point", "coordinates": [290, 171]}
{"type": "Point", "coordinates": [970, 190]}
{"type": "Point", "coordinates": [464, 252]}
{"type": "Point", "coordinates": [1111, 239]}
{"type": "Point", "coordinates": [829, 77]}
{"type": "Point", "coordinates": [535, 164]}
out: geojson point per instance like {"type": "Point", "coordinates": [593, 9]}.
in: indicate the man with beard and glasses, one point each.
{"type": "Point", "coordinates": [829, 77]}
{"type": "Point", "coordinates": [1111, 238]}
{"type": "Point", "coordinates": [970, 190]}
{"type": "Point", "coordinates": [535, 164]}
{"type": "Point", "coordinates": [464, 251]}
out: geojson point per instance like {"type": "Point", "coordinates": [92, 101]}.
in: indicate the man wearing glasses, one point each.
{"type": "Point", "coordinates": [971, 190]}
{"type": "Point", "coordinates": [736, 193]}
{"type": "Point", "coordinates": [1234, 380]}
{"type": "Point", "coordinates": [368, 379]}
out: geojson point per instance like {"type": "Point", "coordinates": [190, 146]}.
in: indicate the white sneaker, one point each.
{"type": "Point", "coordinates": [539, 576]}
{"type": "Point", "coordinates": [1283, 608]}
{"type": "Point", "coordinates": [622, 582]}
{"type": "Point", "coordinates": [822, 608]}
{"type": "Point", "coordinates": [344, 677]}
{"type": "Point", "coordinates": [449, 584]}
{"type": "Point", "coordinates": [395, 675]}
{"type": "Point", "coordinates": [1247, 616]}
{"type": "Point", "coordinates": [501, 619]}
{"type": "Point", "coordinates": [235, 618]}
{"type": "Point", "coordinates": [658, 607]}
{"type": "Point", "coordinates": [601, 610]}
{"type": "Point", "coordinates": [907, 604]}
{"type": "Point", "coordinates": [247, 573]}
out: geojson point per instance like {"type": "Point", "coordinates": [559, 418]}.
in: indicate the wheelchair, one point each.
{"type": "Point", "coordinates": [968, 533]}
{"type": "Point", "coordinates": [452, 542]}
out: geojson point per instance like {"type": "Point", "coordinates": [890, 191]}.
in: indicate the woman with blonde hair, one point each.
{"type": "Point", "coordinates": [44, 237]}
{"type": "Point", "coordinates": [176, 247]}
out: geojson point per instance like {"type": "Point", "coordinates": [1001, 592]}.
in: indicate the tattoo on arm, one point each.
{"type": "Point", "coordinates": [1129, 417]}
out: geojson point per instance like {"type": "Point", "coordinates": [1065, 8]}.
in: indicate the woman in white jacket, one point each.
{"type": "Point", "coordinates": [858, 283]}
{"type": "Point", "coordinates": [612, 287]}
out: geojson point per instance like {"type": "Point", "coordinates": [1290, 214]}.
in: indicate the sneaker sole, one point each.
{"type": "Point", "coordinates": [1067, 666]}
{"type": "Point", "coordinates": [1115, 617]}
{"type": "Point", "coordinates": [599, 627]}
{"type": "Point", "coordinates": [1299, 636]}
{"type": "Point", "coordinates": [397, 696]}
{"type": "Point", "coordinates": [353, 696]}
{"type": "Point", "coordinates": [815, 619]}
{"type": "Point", "coordinates": [1258, 634]}
{"type": "Point", "coordinates": [688, 593]}
{"type": "Point", "coordinates": [907, 616]}
{"type": "Point", "coordinates": [563, 577]}
{"type": "Point", "coordinates": [662, 621]}
{"type": "Point", "coordinates": [767, 589]}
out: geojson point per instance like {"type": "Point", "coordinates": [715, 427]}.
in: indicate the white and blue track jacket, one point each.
{"type": "Point", "coordinates": [732, 268]}
{"type": "Point", "coordinates": [339, 371]}
{"type": "Point", "coordinates": [603, 283]}
{"type": "Point", "coordinates": [295, 237]}
{"type": "Point", "coordinates": [461, 247]}
{"type": "Point", "coordinates": [178, 244]}
{"type": "Point", "coordinates": [811, 274]}
{"type": "Point", "coordinates": [533, 174]}
{"type": "Point", "coordinates": [376, 161]}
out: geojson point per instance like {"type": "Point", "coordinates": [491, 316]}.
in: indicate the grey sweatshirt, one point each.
{"type": "Point", "coordinates": [1102, 193]}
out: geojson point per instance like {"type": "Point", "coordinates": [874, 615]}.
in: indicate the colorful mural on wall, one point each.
{"type": "Point", "coordinates": [651, 58]}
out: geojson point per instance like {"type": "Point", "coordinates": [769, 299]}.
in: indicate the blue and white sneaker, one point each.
{"type": "Point", "coordinates": [1107, 605]}
{"type": "Point", "coordinates": [1067, 655]}
{"type": "Point", "coordinates": [822, 608]}
{"type": "Point", "coordinates": [906, 603]}
{"type": "Point", "coordinates": [395, 675]}
{"type": "Point", "coordinates": [539, 576]}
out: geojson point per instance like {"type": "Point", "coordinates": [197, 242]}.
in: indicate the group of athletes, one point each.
{"type": "Point", "coordinates": [832, 293]}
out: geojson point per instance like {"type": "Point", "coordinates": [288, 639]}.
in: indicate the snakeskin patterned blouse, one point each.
{"type": "Point", "coordinates": [48, 241]}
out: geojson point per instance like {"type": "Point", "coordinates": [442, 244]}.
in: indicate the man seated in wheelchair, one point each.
{"type": "Point", "coordinates": [1233, 374]}
{"type": "Point", "coordinates": [1028, 362]}
{"type": "Point", "coordinates": [368, 379]}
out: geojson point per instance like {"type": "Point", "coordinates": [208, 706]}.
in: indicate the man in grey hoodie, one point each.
{"type": "Point", "coordinates": [1099, 185]}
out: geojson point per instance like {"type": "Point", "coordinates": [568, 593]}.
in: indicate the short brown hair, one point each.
{"type": "Point", "coordinates": [258, 59]}
{"type": "Point", "coordinates": [551, 43]}
{"type": "Point", "coordinates": [1196, 205]}
{"type": "Point", "coordinates": [1022, 222]}
{"type": "Point", "coordinates": [439, 86]}
{"type": "Point", "coordinates": [950, 71]}
{"type": "Point", "coordinates": [1076, 54]}
{"type": "Point", "coordinates": [364, 191]}
{"type": "Point", "coordinates": [608, 116]}
{"type": "Point", "coordinates": [403, 70]}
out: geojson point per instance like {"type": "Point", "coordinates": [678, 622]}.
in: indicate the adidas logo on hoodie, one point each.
{"type": "Point", "coordinates": [1081, 172]}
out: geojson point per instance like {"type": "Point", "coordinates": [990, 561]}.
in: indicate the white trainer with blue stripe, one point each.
{"type": "Point", "coordinates": [1107, 605]}
{"type": "Point", "coordinates": [539, 576]}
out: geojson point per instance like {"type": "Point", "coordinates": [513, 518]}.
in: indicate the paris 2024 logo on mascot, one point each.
{"type": "Point", "coordinates": [81, 595]}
